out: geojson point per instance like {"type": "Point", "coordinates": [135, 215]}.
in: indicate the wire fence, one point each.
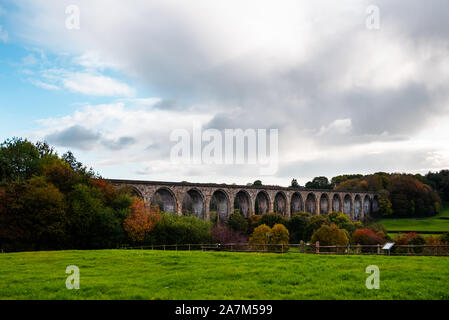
{"type": "Point", "coordinates": [316, 248]}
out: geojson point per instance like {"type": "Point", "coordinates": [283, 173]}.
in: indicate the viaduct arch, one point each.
{"type": "Point", "coordinates": [199, 199]}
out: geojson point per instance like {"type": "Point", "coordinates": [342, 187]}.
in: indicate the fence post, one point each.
{"type": "Point", "coordinates": [164, 247]}
{"type": "Point", "coordinates": [189, 246]}
{"type": "Point", "coordinates": [282, 247]}
{"type": "Point", "coordinates": [176, 247]}
{"type": "Point", "coordinates": [358, 248]}
{"type": "Point", "coordinates": [317, 247]}
{"type": "Point", "coordinates": [378, 248]}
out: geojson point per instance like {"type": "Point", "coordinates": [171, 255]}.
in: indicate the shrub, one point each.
{"type": "Point", "coordinates": [297, 227]}
{"type": "Point", "coordinates": [445, 237]}
{"type": "Point", "coordinates": [270, 219]}
{"type": "Point", "coordinates": [315, 223]}
{"type": "Point", "coordinates": [237, 222]}
{"type": "Point", "coordinates": [224, 235]}
{"type": "Point", "coordinates": [171, 229]}
{"type": "Point", "coordinates": [330, 235]}
{"type": "Point", "coordinates": [279, 236]}
{"type": "Point", "coordinates": [366, 237]}
{"type": "Point", "coordinates": [408, 239]}
{"type": "Point", "coordinates": [253, 222]}
{"type": "Point", "coordinates": [260, 237]}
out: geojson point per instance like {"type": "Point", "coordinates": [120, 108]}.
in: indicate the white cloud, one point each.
{"type": "Point", "coordinates": [311, 69]}
{"type": "Point", "coordinates": [43, 85]}
{"type": "Point", "coordinates": [99, 85]}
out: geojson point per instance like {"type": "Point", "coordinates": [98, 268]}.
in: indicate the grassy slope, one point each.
{"type": "Point", "coordinates": [137, 274]}
{"type": "Point", "coordinates": [418, 224]}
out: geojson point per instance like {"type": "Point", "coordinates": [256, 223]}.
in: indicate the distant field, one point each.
{"type": "Point", "coordinates": [419, 224]}
{"type": "Point", "coordinates": [140, 274]}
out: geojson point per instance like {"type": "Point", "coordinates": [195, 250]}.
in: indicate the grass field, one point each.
{"type": "Point", "coordinates": [140, 274]}
{"type": "Point", "coordinates": [419, 224]}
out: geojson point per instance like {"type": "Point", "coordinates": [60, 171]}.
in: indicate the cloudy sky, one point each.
{"type": "Point", "coordinates": [345, 98]}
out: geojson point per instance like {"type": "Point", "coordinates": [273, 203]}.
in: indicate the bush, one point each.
{"type": "Point", "coordinates": [270, 219]}
{"type": "Point", "coordinates": [315, 223]}
{"type": "Point", "coordinates": [260, 237]}
{"type": "Point", "coordinates": [445, 237]}
{"type": "Point", "coordinates": [253, 222]}
{"type": "Point", "coordinates": [279, 236]}
{"type": "Point", "coordinates": [297, 227]}
{"type": "Point", "coordinates": [409, 239]}
{"type": "Point", "coordinates": [366, 237]}
{"type": "Point", "coordinates": [171, 229]}
{"type": "Point", "coordinates": [237, 222]}
{"type": "Point", "coordinates": [225, 235]}
{"type": "Point", "coordinates": [330, 236]}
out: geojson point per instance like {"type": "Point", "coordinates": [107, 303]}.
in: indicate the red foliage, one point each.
{"type": "Point", "coordinates": [224, 235]}
{"type": "Point", "coordinates": [141, 220]}
{"type": "Point", "coordinates": [107, 190]}
{"type": "Point", "coordinates": [409, 239]}
{"type": "Point", "coordinates": [366, 237]}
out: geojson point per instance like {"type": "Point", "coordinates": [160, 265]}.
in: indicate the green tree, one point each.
{"type": "Point", "coordinates": [330, 235]}
{"type": "Point", "coordinates": [295, 183]}
{"type": "Point", "coordinates": [237, 222]}
{"type": "Point", "coordinates": [19, 160]}
{"type": "Point", "coordinates": [319, 183]}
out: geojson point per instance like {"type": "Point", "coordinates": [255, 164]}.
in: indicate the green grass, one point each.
{"type": "Point", "coordinates": [418, 224]}
{"type": "Point", "coordinates": [141, 274]}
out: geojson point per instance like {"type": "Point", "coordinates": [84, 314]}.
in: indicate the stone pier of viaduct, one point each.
{"type": "Point", "coordinates": [200, 199]}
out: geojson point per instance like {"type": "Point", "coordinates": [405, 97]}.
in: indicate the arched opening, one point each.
{"type": "Point", "coordinates": [296, 204]}
{"type": "Point", "coordinates": [375, 204]}
{"type": "Point", "coordinates": [357, 208]}
{"type": "Point", "coordinates": [165, 199]}
{"type": "Point", "coordinates": [219, 207]}
{"type": "Point", "coordinates": [193, 204]}
{"type": "Point", "coordinates": [336, 203]}
{"type": "Point", "coordinates": [134, 192]}
{"type": "Point", "coordinates": [262, 203]}
{"type": "Point", "coordinates": [280, 203]}
{"type": "Point", "coordinates": [347, 205]}
{"type": "Point", "coordinates": [242, 202]}
{"type": "Point", "coordinates": [367, 206]}
{"type": "Point", "coordinates": [311, 204]}
{"type": "Point", "coordinates": [324, 204]}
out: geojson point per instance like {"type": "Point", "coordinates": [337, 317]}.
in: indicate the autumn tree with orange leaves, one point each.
{"type": "Point", "coordinates": [141, 220]}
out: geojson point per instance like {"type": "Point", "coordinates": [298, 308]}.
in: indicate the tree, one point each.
{"type": "Point", "coordinates": [297, 227]}
{"type": "Point", "coordinates": [257, 183]}
{"type": "Point", "coordinates": [32, 216]}
{"type": "Point", "coordinates": [141, 220]}
{"type": "Point", "coordinates": [253, 222]}
{"type": "Point", "coordinates": [295, 183]}
{"type": "Point", "coordinates": [260, 237]}
{"type": "Point", "coordinates": [366, 237]}
{"type": "Point", "coordinates": [279, 236]}
{"type": "Point", "coordinates": [319, 183]}
{"type": "Point", "coordinates": [270, 219]}
{"type": "Point", "coordinates": [19, 160]}
{"type": "Point", "coordinates": [330, 236]}
{"type": "Point", "coordinates": [237, 222]}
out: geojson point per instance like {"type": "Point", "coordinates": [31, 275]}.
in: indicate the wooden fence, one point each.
{"type": "Point", "coordinates": [401, 250]}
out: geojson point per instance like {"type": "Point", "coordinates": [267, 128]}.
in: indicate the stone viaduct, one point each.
{"type": "Point", "coordinates": [200, 199]}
